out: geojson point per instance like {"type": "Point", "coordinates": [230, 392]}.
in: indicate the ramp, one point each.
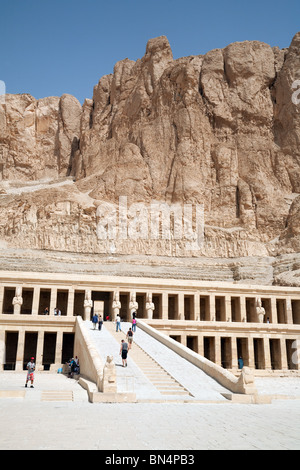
{"type": "Point", "coordinates": [155, 373]}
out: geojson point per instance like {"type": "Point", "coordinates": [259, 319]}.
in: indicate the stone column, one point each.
{"type": "Point", "coordinates": [200, 345]}
{"type": "Point", "coordinates": [212, 307]}
{"type": "Point", "coordinates": [183, 339]}
{"type": "Point", "coordinates": [274, 316]}
{"type": "Point", "coordinates": [71, 298]}
{"type": "Point", "coordinates": [36, 300]}
{"type": "Point", "coordinates": [165, 305]}
{"type": "Point", "coordinates": [39, 351]}
{"type": "Point", "coordinates": [283, 355]}
{"type": "Point", "coordinates": [228, 313]}
{"type": "Point", "coordinates": [20, 351]}
{"type": "Point", "coordinates": [251, 353]}
{"type": "Point", "coordinates": [234, 354]}
{"type": "Point", "coordinates": [1, 299]}
{"type": "Point", "coordinates": [218, 350]}
{"type": "Point", "coordinates": [2, 349]}
{"type": "Point", "coordinates": [180, 306]}
{"type": "Point", "coordinates": [289, 312]}
{"type": "Point", "coordinates": [243, 308]}
{"type": "Point", "coordinates": [196, 300]}
{"type": "Point", "coordinates": [58, 351]}
{"type": "Point", "coordinates": [53, 300]}
{"type": "Point", "coordinates": [267, 353]}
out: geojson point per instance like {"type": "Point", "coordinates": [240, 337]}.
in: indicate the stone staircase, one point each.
{"type": "Point", "coordinates": [155, 373]}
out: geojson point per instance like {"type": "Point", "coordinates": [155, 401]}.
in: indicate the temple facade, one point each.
{"type": "Point", "coordinates": [224, 322]}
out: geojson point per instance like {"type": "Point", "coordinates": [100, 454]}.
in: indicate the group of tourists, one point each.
{"type": "Point", "coordinates": [97, 320]}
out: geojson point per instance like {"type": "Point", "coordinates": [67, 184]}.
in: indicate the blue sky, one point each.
{"type": "Point", "coordinates": [53, 47]}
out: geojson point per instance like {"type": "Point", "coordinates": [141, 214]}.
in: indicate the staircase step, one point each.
{"type": "Point", "coordinates": [57, 395]}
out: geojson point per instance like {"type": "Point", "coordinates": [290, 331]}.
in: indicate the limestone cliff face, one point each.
{"type": "Point", "coordinates": [220, 130]}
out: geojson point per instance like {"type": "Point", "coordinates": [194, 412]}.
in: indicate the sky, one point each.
{"type": "Point", "coordinates": [49, 48]}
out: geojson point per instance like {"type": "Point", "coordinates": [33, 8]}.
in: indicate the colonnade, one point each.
{"type": "Point", "coordinates": [164, 305]}
{"type": "Point", "coordinates": [261, 325]}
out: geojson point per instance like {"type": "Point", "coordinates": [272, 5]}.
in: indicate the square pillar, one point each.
{"type": "Point", "coordinates": [218, 350]}
{"type": "Point", "coordinates": [200, 345]}
{"type": "Point", "coordinates": [183, 339]}
{"type": "Point", "coordinates": [289, 312]}
{"type": "Point", "coordinates": [1, 299]}
{"type": "Point", "coordinates": [267, 354]}
{"type": "Point", "coordinates": [243, 308]}
{"type": "Point", "coordinates": [228, 313]}
{"type": "Point", "coordinates": [2, 349]}
{"type": "Point", "coordinates": [180, 306]}
{"type": "Point", "coordinates": [196, 309]}
{"type": "Point", "coordinates": [274, 316]}
{"type": "Point", "coordinates": [212, 307]}
{"type": "Point", "coordinates": [53, 300]}
{"type": "Point", "coordinates": [234, 354]}
{"type": "Point", "coordinates": [165, 305]}
{"type": "Point", "coordinates": [39, 351]}
{"type": "Point", "coordinates": [251, 357]}
{"type": "Point", "coordinates": [283, 355]}
{"type": "Point", "coordinates": [36, 300]}
{"type": "Point", "coordinates": [20, 351]}
{"type": "Point", "coordinates": [71, 298]}
{"type": "Point", "coordinates": [58, 351]}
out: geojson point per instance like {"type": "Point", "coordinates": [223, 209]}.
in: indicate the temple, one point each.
{"type": "Point", "coordinates": [221, 321]}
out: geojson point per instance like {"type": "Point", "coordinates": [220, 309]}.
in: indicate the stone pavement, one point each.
{"type": "Point", "coordinates": [29, 423]}
{"type": "Point", "coordinates": [34, 421]}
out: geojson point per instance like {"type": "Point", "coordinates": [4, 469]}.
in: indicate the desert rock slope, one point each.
{"type": "Point", "coordinates": [220, 131]}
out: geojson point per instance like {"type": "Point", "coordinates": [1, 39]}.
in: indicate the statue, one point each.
{"type": "Point", "coordinates": [88, 304]}
{"type": "Point", "coordinates": [133, 305]}
{"type": "Point", "coordinates": [116, 305]}
{"type": "Point", "coordinates": [150, 307]}
{"type": "Point", "coordinates": [109, 379]}
{"type": "Point", "coordinates": [18, 301]}
{"type": "Point", "coordinates": [260, 311]}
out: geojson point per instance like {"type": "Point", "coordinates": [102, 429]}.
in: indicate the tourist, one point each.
{"type": "Point", "coordinates": [118, 323]}
{"type": "Point", "coordinates": [129, 337]}
{"type": "Point", "coordinates": [134, 324]}
{"type": "Point", "coordinates": [75, 365]}
{"type": "Point", "coordinates": [46, 311]}
{"type": "Point", "coordinates": [95, 320]}
{"type": "Point", "coordinates": [30, 372]}
{"type": "Point", "coordinates": [241, 363]}
{"type": "Point", "coordinates": [100, 322]}
{"type": "Point", "coordinates": [124, 352]}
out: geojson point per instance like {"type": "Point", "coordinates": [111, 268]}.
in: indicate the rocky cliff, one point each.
{"type": "Point", "coordinates": [220, 130]}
